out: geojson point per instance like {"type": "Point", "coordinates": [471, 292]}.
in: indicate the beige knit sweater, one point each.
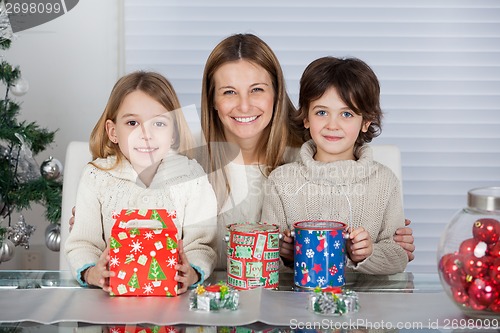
{"type": "Point", "coordinates": [312, 190]}
{"type": "Point", "coordinates": [180, 184]}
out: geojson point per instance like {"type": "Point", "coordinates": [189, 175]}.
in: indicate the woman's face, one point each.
{"type": "Point", "coordinates": [244, 100]}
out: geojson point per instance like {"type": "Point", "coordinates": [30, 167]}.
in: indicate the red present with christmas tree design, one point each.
{"type": "Point", "coordinates": [143, 253]}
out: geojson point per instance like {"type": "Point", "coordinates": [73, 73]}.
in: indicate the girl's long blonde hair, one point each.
{"type": "Point", "coordinates": [276, 137]}
{"type": "Point", "coordinates": [157, 87]}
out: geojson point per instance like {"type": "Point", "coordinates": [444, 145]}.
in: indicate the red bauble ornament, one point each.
{"type": "Point", "coordinates": [482, 291]}
{"type": "Point", "coordinates": [460, 295]}
{"type": "Point", "coordinates": [495, 306]}
{"type": "Point", "coordinates": [468, 246]}
{"type": "Point", "coordinates": [495, 271]}
{"type": "Point", "coordinates": [451, 268]}
{"type": "Point", "coordinates": [476, 306]}
{"type": "Point", "coordinates": [486, 230]}
{"type": "Point", "coordinates": [443, 259]}
{"type": "Point", "coordinates": [477, 267]}
{"type": "Point", "coordinates": [494, 249]}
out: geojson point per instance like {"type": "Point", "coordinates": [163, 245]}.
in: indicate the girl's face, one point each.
{"type": "Point", "coordinates": [144, 130]}
{"type": "Point", "coordinates": [333, 127]}
{"type": "Point", "coordinates": [244, 99]}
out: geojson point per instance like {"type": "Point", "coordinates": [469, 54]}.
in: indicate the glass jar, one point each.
{"type": "Point", "coordinates": [469, 255]}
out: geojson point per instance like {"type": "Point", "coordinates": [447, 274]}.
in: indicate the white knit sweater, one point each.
{"type": "Point", "coordinates": [244, 204]}
{"type": "Point", "coordinates": [180, 184]}
{"type": "Point", "coordinates": [312, 190]}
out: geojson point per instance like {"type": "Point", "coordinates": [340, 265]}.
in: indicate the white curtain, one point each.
{"type": "Point", "coordinates": [438, 63]}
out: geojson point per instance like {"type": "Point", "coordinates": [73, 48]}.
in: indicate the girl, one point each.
{"type": "Point", "coordinates": [336, 177]}
{"type": "Point", "coordinates": [137, 146]}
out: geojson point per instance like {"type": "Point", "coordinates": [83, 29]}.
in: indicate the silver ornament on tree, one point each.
{"type": "Point", "coordinates": [19, 87]}
{"type": "Point", "coordinates": [6, 250]}
{"type": "Point", "coordinates": [53, 237]}
{"type": "Point", "coordinates": [20, 233]}
{"type": "Point", "coordinates": [51, 168]}
{"type": "Point", "coordinates": [22, 159]}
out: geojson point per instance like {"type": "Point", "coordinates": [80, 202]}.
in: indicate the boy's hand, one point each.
{"type": "Point", "coordinates": [359, 244]}
{"type": "Point", "coordinates": [286, 246]}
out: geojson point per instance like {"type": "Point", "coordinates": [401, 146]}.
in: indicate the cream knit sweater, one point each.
{"type": "Point", "coordinates": [244, 204]}
{"type": "Point", "coordinates": [312, 190]}
{"type": "Point", "coordinates": [180, 184]}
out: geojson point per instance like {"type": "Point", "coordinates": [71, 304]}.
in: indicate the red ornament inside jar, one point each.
{"type": "Point", "coordinates": [469, 255]}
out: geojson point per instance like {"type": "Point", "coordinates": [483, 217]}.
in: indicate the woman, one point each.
{"type": "Point", "coordinates": [245, 117]}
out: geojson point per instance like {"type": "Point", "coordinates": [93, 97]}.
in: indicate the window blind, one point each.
{"type": "Point", "coordinates": [438, 63]}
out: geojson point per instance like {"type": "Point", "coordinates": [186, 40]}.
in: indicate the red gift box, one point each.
{"type": "Point", "coordinates": [143, 253]}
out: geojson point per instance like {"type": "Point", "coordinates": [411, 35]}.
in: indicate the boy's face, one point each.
{"type": "Point", "coordinates": [333, 127]}
{"type": "Point", "coordinates": [144, 130]}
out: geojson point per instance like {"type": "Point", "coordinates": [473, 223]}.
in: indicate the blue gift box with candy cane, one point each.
{"type": "Point", "coordinates": [319, 254]}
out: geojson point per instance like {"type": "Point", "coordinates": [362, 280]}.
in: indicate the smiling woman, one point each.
{"type": "Point", "coordinates": [245, 112]}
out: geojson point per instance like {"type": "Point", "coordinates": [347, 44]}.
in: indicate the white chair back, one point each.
{"type": "Point", "coordinates": [77, 156]}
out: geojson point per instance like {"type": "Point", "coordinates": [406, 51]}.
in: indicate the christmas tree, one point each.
{"type": "Point", "coordinates": [171, 244]}
{"type": "Point", "coordinates": [156, 216]}
{"type": "Point", "coordinates": [114, 244]}
{"type": "Point", "coordinates": [155, 271]}
{"type": "Point", "coordinates": [134, 281]}
{"type": "Point", "coordinates": [22, 181]}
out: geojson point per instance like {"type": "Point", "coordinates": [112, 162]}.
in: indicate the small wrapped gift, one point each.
{"type": "Point", "coordinates": [214, 298]}
{"type": "Point", "coordinates": [333, 301]}
{"type": "Point", "coordinates": [143, 253]}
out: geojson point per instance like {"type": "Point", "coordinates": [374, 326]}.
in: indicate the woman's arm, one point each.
{"type": "Point", "coordinates": [199, 227]}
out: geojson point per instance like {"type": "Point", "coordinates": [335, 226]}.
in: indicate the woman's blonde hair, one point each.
{"type": "Point", "coordinates": [158, 88]}
{"type": "Point", "coordinates": [276, 137]}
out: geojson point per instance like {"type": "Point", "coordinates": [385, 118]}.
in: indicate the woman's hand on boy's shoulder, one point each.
{"type": "Point", "coordinates": [404, 237]}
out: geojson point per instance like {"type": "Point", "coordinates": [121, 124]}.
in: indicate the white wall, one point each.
{"type": "Point", "coordinates": [71, 64]}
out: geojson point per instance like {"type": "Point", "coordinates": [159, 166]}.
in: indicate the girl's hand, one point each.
{"type": "Point", "coordinates": [404, 237]}
{"type": "Point", "coordinates": [359, 244]}
{"type": "Point", "coordinates": [186, 275]}
{"type": "Point", "coordinates": [99, 274]}
{"type": "Point", "coordinates": [286, 246]}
